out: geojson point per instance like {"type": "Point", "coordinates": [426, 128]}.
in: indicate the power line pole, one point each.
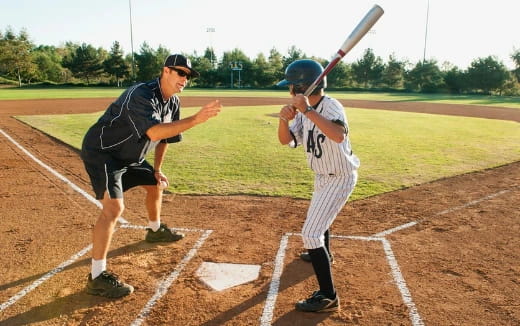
{"type": "Point", "coordinates": [426, 30]}
{"type": "Point", "coordinates": [132, 40]}
{"type": "Point", "coordinates": [211, 30]}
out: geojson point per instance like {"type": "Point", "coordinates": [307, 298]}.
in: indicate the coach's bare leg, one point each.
{"type": "Point", "coordinates": [153, 202]}
{"type": "Point", "coordinates": [104, 227]}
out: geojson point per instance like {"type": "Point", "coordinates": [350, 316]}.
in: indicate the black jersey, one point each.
{"type": "Point", "coordinates": [121, 131]}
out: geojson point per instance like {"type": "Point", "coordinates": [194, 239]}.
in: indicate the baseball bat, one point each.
{"type": "Point", "coordinates": [357, 34]}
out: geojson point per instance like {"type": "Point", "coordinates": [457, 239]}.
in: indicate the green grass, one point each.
{"type": "Point", "coordinates": [238, 152]}
{"type": "Point", "coordinates": [92, 92]}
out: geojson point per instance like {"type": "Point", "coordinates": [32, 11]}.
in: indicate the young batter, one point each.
{"type": "Point", "coordinates": [321, 126]}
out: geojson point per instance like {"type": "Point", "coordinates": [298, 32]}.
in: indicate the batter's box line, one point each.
{"type": "Point", "coordinates": [162, 287]}
{"type": "Point", "coordinates": [443, 212]}
{"type": "Point", "coordinates": [126, 225]}
{"type": "Point", "coordinates": [272, 294]}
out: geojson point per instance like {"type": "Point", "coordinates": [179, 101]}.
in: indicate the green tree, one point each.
{"type": "Point", "coordinates": [209, 54]}
{"type": "Point", "coordinates": [258, 70]}
{"type": "Point", "coordinates": [228, 69]}
{"type": "Point", "coordinates": [150, 62]}
{"type": "Point", "coordinates": [340, 76]}
{"type": "Point", "coordinates": [48, 60]}
{"type": "Point", "coordinates": [208, 73]}
{"type": "Point", "coordinates": [393, 72]}
{"type": "Point", "coordinates": [293, 54]}
{"type": "Point", "coordinates": [116, 65]}
{"type": "Point", "coordinates": [15, 56]}
{"type": "Point", "coordinates": [368, 70]}
{"type": "Point", "coordinates": [456, 80]}
{"type": "Point", "coordinates": [86, 62]}
{"type": "Point", "coordinates": [425, 77]}
{"type": "Point", "coordinates": [276, 67]}
{"type": "Point", "coordinates": [516, 59]}
{"type": "Point", "coordinates": [146, 63]}
{"type": "Point", "coordinates": [487, 75]}
{"type": "Point", "coordinates": [161, 54]}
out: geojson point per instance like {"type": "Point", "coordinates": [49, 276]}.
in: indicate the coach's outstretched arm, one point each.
{"type": "Point", "coordinates": [171, 129]}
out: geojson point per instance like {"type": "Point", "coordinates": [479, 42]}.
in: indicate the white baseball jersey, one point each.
{"type": "Point", "coordinates": [324, 155]}
{"type": "Point", "coordinates": [335, 166]}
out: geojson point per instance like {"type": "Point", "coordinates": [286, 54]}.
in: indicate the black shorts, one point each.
{"type": "Point", "coordinates": [115, 177]}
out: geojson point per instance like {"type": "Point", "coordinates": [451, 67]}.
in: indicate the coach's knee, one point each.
{"type": "Point", "coordinates": [113, 208]}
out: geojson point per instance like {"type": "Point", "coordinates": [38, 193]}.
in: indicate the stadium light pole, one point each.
{"type": "Point", "coordinates": [211, 30]}
{"type": "Point", "coordinates": [426, 30]}
{"type": "Point", "coordinates": [131, 39]}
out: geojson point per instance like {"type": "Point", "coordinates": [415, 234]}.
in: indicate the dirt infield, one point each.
{"type": "Point", "coordinates": [442, 253]}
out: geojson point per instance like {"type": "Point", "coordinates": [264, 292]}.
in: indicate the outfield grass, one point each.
{"type": "Point", "coordinates": [238, 152]}
{"type": "Point", "coordinates": [93, 92]}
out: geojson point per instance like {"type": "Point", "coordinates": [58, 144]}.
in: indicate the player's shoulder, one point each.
{"type": "Point", "coordinates": [332, 103]}
{"type": "Point", "coordinates": [149, 89]}
{"type": "Point", "coordinates": [331, 100]}
{"type": "Point", "coordinates": [139, 90]}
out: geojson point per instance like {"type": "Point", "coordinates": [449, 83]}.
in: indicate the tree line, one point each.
{"type": "Point", "coordinates": [23, 62]}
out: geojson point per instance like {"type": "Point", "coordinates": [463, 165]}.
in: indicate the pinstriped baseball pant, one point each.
{"type": "Point", "coordinates": [331, 192]}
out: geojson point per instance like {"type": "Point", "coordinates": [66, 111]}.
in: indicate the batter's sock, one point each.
{"type": "Point", "coordinates": [98, 267]}
{"type": "Point", "coordinates": [154, 225]}
{"type": "Point", "coordinates": [321, 264]}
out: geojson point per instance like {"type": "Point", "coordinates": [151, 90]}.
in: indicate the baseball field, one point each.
{"type": "Point", "coordinates": [429, 237]}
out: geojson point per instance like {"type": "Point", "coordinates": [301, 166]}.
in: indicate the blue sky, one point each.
{"type": "Point", "coordinates": [459, 31]}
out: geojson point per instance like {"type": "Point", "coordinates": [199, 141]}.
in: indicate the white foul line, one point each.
{"type": "Point", "coordinates": [446, 211]}
{"type": "Point", "coordinates": [44, 278]}
{"type": "Point", "coordinates": [51, 170]}
{"type": "Point", "coordinates": [415, 318]}
{"type": "Point", "coordinates": [401, 284]}
{"type": "Point", "coordinates": [163, 286]}
{"type": "Point", "coordinates": [267, 315]}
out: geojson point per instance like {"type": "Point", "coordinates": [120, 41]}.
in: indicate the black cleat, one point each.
{"type": "Point", "coordinates": [108, 285]}
{"type": "Point", "coordinates": [317, 302]}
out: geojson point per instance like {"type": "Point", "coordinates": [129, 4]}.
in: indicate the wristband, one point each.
{"type": "Point", "coordinates": [282, 118]}
{"type": "Point", "coordinates": [308, 109]}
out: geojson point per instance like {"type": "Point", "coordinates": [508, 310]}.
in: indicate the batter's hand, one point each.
{"type": "Point", "coordinates": [300, 102]}
{"type": "Point", "coordinates": [287, 113]}
{"type": "Point", "coordinates": [208, 111]}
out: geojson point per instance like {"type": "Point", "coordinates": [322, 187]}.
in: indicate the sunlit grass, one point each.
{"type": "Point", "coordinates": [238, 152]}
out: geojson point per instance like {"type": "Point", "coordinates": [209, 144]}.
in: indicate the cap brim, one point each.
{"type": "Point", "coordinates": [283, 83]}
{"type": "Point", "coordinates": [193, 73]}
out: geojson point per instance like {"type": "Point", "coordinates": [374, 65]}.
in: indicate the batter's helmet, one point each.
{"type": "Point", "coordinates": [302, 73]}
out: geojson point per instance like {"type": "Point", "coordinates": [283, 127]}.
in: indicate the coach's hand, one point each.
{"type": "Point", "coordinates": [170, 129]}
{"type": "Point", "coordinates": [208, 111]}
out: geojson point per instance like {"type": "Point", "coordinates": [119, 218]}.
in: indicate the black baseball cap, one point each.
{"type": "Point", "coordinates": [178, 60]}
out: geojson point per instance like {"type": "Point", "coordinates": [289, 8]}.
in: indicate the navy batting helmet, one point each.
{"type": "Point", "coordinates": [302, 73]}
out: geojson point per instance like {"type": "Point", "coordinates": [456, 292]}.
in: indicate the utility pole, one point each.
{"type": "Point", "coordinates": [211, 30]}
{"type": "Point", "coordinates": [426, 31]}
{"type": "Point", "coordinates": [132, 40]}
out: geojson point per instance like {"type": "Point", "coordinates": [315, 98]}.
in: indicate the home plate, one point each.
{"type": "Point", "coordinates": [220, 276]}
